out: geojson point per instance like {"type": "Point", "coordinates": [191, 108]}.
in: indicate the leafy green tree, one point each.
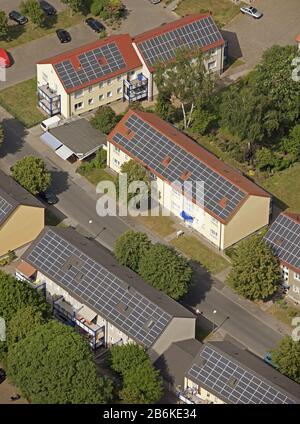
{"type": "Point", "coordinates": [105, 119]}
{"type": "Point", "coordinates": [1, 134]}
{"type": "Point", "coordinates": [107, 9]}
{"type": "Point", "coordinates": [272, 78]}
{"type": "Point", "coordinates": [164, 108]}
{"type": "Point", "coordinates": [265, 159]}
{"type": "Point", "coordinates": [186, 80]}
{"type": "Point", "coordinates": [134, 172]}
{"type": "Point", "coordinates": [164, 269]}
{"type": "Point", "coordinates": [202, 119]}
{"type": "Point", "coordinates": [31, 173]}
{"type": "Point", "coordinates": [3, 24]}
{"type": "Point", "coordinates": [15, 295]}
{"type": "Point", "coordinates": [24, 323]}
{"type": "Point", "coordinates": [75, 5]}
{"type": "Point", "coordinates": [142, 385]}
{"type": "Point", "coordinates": [124, 358]}
{"type": "Point", "coordinates": [54, 366]}
{"type": "Point", "coordinates": [33, 9]}
{"type": "Point", "coordinates": [291, 144]}
{"type": "Point", "coordinates": [130, 247]}
{"type": "Point", "coordinates": [255, 272]}
{"type": "Point", "coordinates": [287, 357]}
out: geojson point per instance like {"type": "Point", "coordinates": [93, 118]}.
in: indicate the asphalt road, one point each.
{"type": "Point", "coordinates": [79, 204]}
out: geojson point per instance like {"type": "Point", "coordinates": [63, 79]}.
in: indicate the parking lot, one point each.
{"type": "Point", "coordinates": [9, 5]}
{"type": "Point", "coordinates": [248, 37]}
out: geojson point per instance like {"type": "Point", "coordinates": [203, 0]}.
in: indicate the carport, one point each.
{"type": "Point", "coordinates": [75, 139]}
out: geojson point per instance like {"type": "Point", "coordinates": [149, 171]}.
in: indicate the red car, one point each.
{"type": "Point", "coordinates": [5, 61]}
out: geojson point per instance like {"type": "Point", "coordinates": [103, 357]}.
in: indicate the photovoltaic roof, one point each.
{"type": "Point", "coordinates": [284, 238]}
{"type": "Point", "coordinates": [6, 207]}
{"type": "Point", "coordinates": [95, 62]}
{"type": "Point", "coordinates": [233, 382]}
{"type": "Point", "coordinates": [160, 45]}
{"type": "Point", "coordinates": [69, 259]}
{"type": "Point", "coordinates": [151, 147]}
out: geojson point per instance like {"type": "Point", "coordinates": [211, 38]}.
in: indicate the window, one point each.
{"type": "Point", "coordinates": [296, 289]}
{"type": "Point", "coordinates": [78, 106]}
{"type": "Point", "coordinates": [101, 84]}
{"type": "Point", "coordinates": [90, 101]}
{"type": "Point", "coordinates": [109, 82]}
{"type": "Point", "coordinates": [213, 233]}
{"type": "Point", "coordinates": [213, 52]}
{"type": "Point", "coordinates": [119, 90]}
{"type": "Point", "coordinates": [214, 220]}
{"type": "Point", "coordinates": [101, 97]}
{"type": "Point", "coordinates": [91, 89]}
{"type": "Point", "coordinates": [212, 65]}
{"type": "Point", "coordinates": [116, 149]}
{"type": "Point", "coordinates": [116, 162]}
{"type": "Point", "coordinates": [78, 94]}
{"type": "Point", "coordinates": [297, 276]}
{"type": "Point", "coordinates": [109, 94]}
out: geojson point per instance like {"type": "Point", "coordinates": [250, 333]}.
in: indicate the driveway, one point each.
{"type": "Point", "coordinates": [249, 37]}
{"type": "Point", "coordinates": [142, 15]}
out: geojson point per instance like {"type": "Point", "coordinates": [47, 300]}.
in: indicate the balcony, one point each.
{"type": "Point", "coordinates": [48, 100]}
{"type": "Point", "coordinates": [136, 89]}
{"type": "Point", "coordinates": [27, 273]}
{"type": "Point", "coordinates": [191, 396]}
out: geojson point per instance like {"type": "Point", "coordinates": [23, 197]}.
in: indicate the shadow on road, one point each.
{"type": "Point", "coordinates": [14, 134]}
{"type": "Point", "coordinates": [60, 182]}
{"type": "Point", "coordinates": [200, 285]}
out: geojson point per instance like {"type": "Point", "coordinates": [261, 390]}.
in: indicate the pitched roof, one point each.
{"type": "Point", "coordinates": [193, 31]}
{"type": "Point", "coordinates": [151, 141]}
{"type": "Point", "coordinates": [95, 62]}
{"type": "Point", "coordinates": [284, 238]}
{"type": "Point", "coordinates": [13, 195]}
{"type": "Point", "coordinates": [92, 275]}
{"type": "Point", "coordinates": [237, 376]}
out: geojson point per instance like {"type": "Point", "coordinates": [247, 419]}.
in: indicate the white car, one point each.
{"type": "Point", "coordinates": [251, 11]}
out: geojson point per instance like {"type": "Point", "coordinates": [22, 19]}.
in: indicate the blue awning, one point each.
{"type": "Point", "coordinates": [186, 216]}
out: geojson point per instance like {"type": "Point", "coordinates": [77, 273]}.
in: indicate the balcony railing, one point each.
{"type": "Point", "coordinates": [191, 396]}
{"type": "Point", "coordinates": [48, 100]}
{"type": "Point", "coordinates": [136, 89]}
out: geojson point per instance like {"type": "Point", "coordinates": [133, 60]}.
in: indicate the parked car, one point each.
{"type": "Point", "coordinates": [2, 375]}
{"type": "Point", "coordinates": [63, 35]}
{"type": "Point", "coordinates": [96, 26]}
{"type": "Point", "coordinates": [251, 11]}
{"type": "Point", "coordinates": [268, 360]}
{"type": "Point", "coordinates": [49, 123]}
{"type": "Point", "coordinates": [47, 8]}
{"type": "Point", "coordinates": [5, 61]}
{"type": "Point", "coordinates": [49, 197]}
{"type": "Point", "coordinates": [154, 1]}
{"type": "Point", "coordinates": [16, 16]}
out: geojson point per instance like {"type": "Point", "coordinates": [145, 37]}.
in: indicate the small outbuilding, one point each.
{"type": "Point", "coordinates": [75, 140]}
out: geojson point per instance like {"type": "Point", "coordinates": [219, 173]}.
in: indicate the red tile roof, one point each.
{"type": "Point", "coordinates": [199, 152]}
{"type": "Point", "coordinates": [124, 44]}
{"type": "Point", "coordinates": [163, 29]}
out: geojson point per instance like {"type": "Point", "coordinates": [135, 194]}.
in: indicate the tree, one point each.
{"type": "Point", "coordinates": [31, 173]}
{"type": "Point", "coordinates": [107, 9]}
{"type": "Point", "coordinates": [255, 271]}
{"type": "Point", "coordinates": [291, 144]}
{"type": "Point", "coordinates": [287, 357]}
{"type": "Point", "coordinates": [75, 5]}
{"type": "Point", "coordinates": [15, 295]}
{"type": "Point", "coordinates": [124, 358]}
{"type": "Point", "coordinates": [1, 134]}
{"type": "Point", "coordinates": [164, 108]}
{"type": "Point", "coordinates": [3, 24]}
{"type": "Point", "coordinates": [202, 120]}
{"type": "Point", "coordinates": [130, 247]}
{"type": "Point", "coordinates": [54, 366]}
{"type": "Point", "coordinates": [135, 172]}
{"type": "Point", "coordinates": [142, 385]}
{"type": "Point", "coordinates": [105, 119]}
{"type": "Point", "coordinates": [186, 80]}
{"type": "Point", "coordinates": [265, 159]}
{"type": "Point", "coordinates": [33, 9]}
{"type": "Point", "coordinates": [164, 269]}
{"type": "Point", "coordinates": [25, 322]}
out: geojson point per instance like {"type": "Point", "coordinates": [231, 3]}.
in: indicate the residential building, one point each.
{"type": "Point", "coordinates": [21, 215]}
{"type": "Point", "coordinates": [106, 301]}
{"type": "Point", "coordinates": [222, 373]}
{"type": "Point", "coordinates": [193, 31]}
{"type": "Point", "coordinates": [87, 77]}
{"type": "Point", "coordinates": [284, 238]}
{"type": "Point", "coordinates": [230, 208]}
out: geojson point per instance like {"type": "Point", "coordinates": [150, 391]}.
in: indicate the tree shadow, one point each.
{"type": "Point", "coordinates": [14, 134]}
{"type": "Point", "coordinates": [59, 181]}
{"type": "Point", "coordinates": [201, 283]}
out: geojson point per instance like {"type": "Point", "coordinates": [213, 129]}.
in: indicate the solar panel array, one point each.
{"type": "Point", "coordinates": [162, 47]}
{"type": "Point", "coordinates": [5, 209]}
{"type": "Point", "coordinates": [151, 147]}
{"type": "Point", "coordinates": [98, 288]}
{"type": "Point", "coordinates": [232, 382]}
{"type": "Point", "coordinates": [284, 238]}
{"type": "Point", "coordinates": [94, 64]}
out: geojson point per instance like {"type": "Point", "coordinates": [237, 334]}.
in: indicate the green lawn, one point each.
{"type": "Point", "coordinates": [285, 186]}
{"type": "Point", "coordinates": [195, 250]}
{"type": "Point", "coordinates": [96, 175]}
{"type": "Point", "coordinates": [21, 101]}
{"type": "Point", "coordinates": [20, 34]}
{"type": "Point", "coordinates": [161, 225]}
{"type": "Point", "coordinates": [223, 10]}
{"type": "Point", "coordinates": [284, 312]}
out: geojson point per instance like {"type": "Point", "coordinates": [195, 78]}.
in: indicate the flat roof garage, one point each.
{"type": "Point", "coordinates": [74, 139]}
